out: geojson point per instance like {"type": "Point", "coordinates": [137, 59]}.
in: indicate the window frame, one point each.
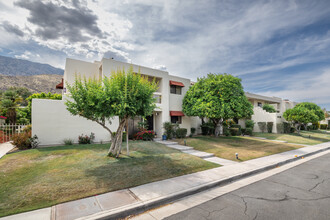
{"type": "Point", "coordinates": [178, 119]}
{"type": "Point", "coordinates": [177, 89]}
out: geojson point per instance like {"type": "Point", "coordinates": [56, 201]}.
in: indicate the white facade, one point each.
{"type": "Point", "coordinates": [52, 123]}
{"type": "Point", "coordinates": [260, 115]}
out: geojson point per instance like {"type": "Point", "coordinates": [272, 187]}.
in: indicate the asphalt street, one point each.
{"type": "Point", "coordinates": [302, 192]}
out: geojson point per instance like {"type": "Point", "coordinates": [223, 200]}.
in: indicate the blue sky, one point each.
{"type": "Point", "coordinates": [278, 48]}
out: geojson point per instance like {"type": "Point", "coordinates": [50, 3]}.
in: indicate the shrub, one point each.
{"type": "Point", "coordinates": [68, 141]}
{"type": "Point", "coordinates": [262, 126]}
{"type": "Point", "coordinates": [181, 132]}
{"type": "Point", "coordinates": [268, 108]}
{"type": "Point", "coordinates": [243, 130]}
{"type": "Point", "coordinates": [270, 127]}
{"type": "Point", "coordinates": [315, 126]}
{"type": "Point", "coordinates": [286, 127]}
{"type": "Point", "coordinates": [192, 131]}
{"type": "Point", "coordinates": [292, 129]}
{"type": "Point", "coordinates": [280, 128]}
{"type": "Point", "coordinates": [85, 139]}
{"type": "Point", "coordinates": [27, 128]}
{"type": "Point", "coordinates": [24, 140]}
{"type": "Point", "coordinates": [239, 132]}
{"type": "Point", "coordinates": [169, 129]}
{"type": "Point", "coordinates": [249, 124]}
{"type": "Point", "coordinates": [207, 128]}
{"type": "Point", "coordinates": [145, 135]}
{"type": "Point", "coordinates": [323, 126]}
{"type": "Point", "coordinates": [234, 131]}
{"type": "Point", "coordinates": [249, 131]}
{"type": "Point", "coordinates": [142, 125]}
{"type": "Point", "coordinates": [226, 132]}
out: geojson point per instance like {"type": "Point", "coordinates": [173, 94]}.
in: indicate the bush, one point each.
{"type": "Point", "coordinates": [280, 128]}
{"type": "Point", "coordinates": [243, 130]}
{"type": "Point", "coordinates": [207, 128]}
{"type": "Point", "coordinates": [315, 126]}
{"type": "Point", "coordinates": [239, 132]}
{"type": "Point", "coordinates": [249, 124]}
{"type": "Point", "coordinates": [68, 141]}
{"type": "Point", "coordinates": [262, 126]}
{"type": "Point", "coordinates": [226, 132]}
{"type": "Point", "coordinates": [192, 131]}
{"type": "Point", "coordinates": [234, 131]}
{"type": "Point", "coordinates": [24, 140]}
{"type": "Point", "coordinates": [145, 135]}
{"type": "Point", "coordinates": [292, 129]}
{"type": "Point", "coordinates": [169, 129]}
{"type": "Point", "coordinates": [85, 139]}
{"type": "Point", "coordinates": [268, 108]}
{"type": "Point", "coordinates": [249, 131]}
{"type": "Point", "coordinates": [270, 127]}
{"type": "Point", "coordinates": [27, 128]}
{"type": "Point", "coordinates": [286, 127]}
{"type": "Point", "coordinates": [323, 126]}
{"type": "Point", "coordinates": [181, 132]}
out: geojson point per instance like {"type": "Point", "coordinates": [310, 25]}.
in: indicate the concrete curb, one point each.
{"type": "Point", "coordinates": [140, 207]}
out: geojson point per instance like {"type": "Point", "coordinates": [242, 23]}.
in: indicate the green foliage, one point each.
{"type": "Point", "coordinates": [239, 132]}
{"type": "Point", "coordinates": [234, 131]}
{"type": "Point", "coordinates": [143, 125]}
{"type": "Point", "coordinates": [249, 131]}
{"type": "Point", "coordinates": [207, 128]}
{"type": "Point", "coordinates": [304, 113]}
{"type": "Point", "coordinates": [68, 141]}
{"type": "Point", "coordinates": [145, 135]}
{"type": "Point", "coordinates": [270, 127]}
{"type": "Point", "coordinates": [181, 132]}
{"type": "Point", "coordinates": [286, 127]}
{"type": "Point", "coordinates": [226, 132]}
{"type": "Point", "coordinates": [24, 140]}
{"type": "Point", "coordinates": [323, 126]}
{"type": "Point", "coordinates": [192, 131]}
{"type": "Point", "coordinates": [169, 129]}
{"type": "Point", "coordinates": [218, 97]}
{"type": "Point", "coordinates": [249, 124]}
{"type": "Point", "coordinates": [262, 126]}
{"type": "Point", "coordinates": [280, 128]}
{"type": "Point", "coordinates": [85, 139]}
{"type": "Point", "coordinates": [268, 108]}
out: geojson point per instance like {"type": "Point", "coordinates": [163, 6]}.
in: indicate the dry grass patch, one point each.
{"type": "Point", "coordinates": [247, 148]}
{"type": "Point", "coordinates": [43, 177]}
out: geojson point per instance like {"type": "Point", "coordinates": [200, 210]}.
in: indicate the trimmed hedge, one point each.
{"type": "Point", "coordinates": [262, 126]}
{"type": "Point", "coordinates": [280, 128]}
{"type": "Point", "coordinates": [234, 131]}
{"type": "Point", "coordinates": [270, 127]}
{"type": "Point", "coordinates": [239, 132]}
{"type": "Point", "coordinates": [181, 132]}
{"type": "Point", "coordinates": [323, 126]}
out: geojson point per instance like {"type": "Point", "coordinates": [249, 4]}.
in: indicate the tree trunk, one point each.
{"type": "Point", "coordinates": [116, 141]}
{"type": "Point", "coordinates": [218, 128]}
{"type": "Point", "coordinates": [127, 148]}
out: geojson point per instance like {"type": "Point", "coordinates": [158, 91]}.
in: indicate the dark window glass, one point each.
{"type": "Point", "coordinates": [175, 89]}
{"type": "Point", "coordinates": [176, 119]}
{"type": "Point", "coordinates": [259, 104]}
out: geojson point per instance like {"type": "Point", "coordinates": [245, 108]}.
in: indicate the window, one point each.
{"type": "Point", "coordinates": [259, 104]}
{"type": "Point", "coordinates": [176, 89]}
{"type": "Point", "coordinates": [176, 119]}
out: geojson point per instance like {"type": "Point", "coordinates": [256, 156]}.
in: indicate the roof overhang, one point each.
{"type": "Point", "coordinates": [60, 85]}
{"type": "Point", "coordinates": [263, 98]}
{"type": "Point", "coordinates": [174, 83]}
{"type": "Point", "coordinates": [176, 113]}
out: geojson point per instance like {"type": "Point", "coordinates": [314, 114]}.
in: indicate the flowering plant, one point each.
{"type": "Point", "coordinates": [85, 139]}
{"type": "Point", "coordinates": [3, 117]}
{"type": "Point", "coordinates": [145, 135]}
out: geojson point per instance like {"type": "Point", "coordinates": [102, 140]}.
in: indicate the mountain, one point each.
{"type": "Point", "coordinates": [17, 67]}
{"type": "Point", "coordinates": [35, 83]}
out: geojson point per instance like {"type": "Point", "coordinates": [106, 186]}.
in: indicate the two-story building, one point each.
{"type": "Point", "coordinates": [52, 123]}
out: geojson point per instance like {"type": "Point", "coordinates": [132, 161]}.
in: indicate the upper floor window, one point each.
{"type": "Point", "coordinates": [176, 89]}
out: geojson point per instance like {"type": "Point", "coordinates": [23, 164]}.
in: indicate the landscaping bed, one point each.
{"type": "Point", "coordinates": [306, 137]}
{"type": "Point", "coordinates": [43, 177]}
{"type": "Point", "coordinates": [247, 148]}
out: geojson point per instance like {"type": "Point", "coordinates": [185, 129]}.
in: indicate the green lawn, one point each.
{"type": "Point", "coordinates": [246, 147]}
{"type": "Point", "coordinates": [308, 137]}
{"type": "Point", "coordinates": [43, 177]}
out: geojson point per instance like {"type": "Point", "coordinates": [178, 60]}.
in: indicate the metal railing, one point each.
{"type": "Point", "coordinates": [7, 131]}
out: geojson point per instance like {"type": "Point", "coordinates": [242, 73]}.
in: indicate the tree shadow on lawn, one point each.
{"type": "Point", "coordinates": [133, 171]}
{"type": "Point", "coordinates": [310, 137]}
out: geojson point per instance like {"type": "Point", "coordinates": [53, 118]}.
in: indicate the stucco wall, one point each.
{"type": "Point", "coordinates": [52, 123]}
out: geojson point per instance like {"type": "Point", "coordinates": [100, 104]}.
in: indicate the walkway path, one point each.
{"type": "Point", "coordinates": [4, 148]}
{"type": "Point", "coordinates": [119, 204]}
{"type": "Point", "coordinates": [204, 155]}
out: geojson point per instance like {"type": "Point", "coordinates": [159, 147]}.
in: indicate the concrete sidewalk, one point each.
{"type": "Point", "coordinates": [4, 148]}
{"type": "Point", "coordinates": [134, 200]}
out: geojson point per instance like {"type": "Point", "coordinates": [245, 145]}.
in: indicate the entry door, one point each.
{"type": "Point", "coordinates": [150, 120]}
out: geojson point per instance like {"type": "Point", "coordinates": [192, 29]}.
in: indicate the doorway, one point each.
{"type": "Point", "coordinates": [150, 120]}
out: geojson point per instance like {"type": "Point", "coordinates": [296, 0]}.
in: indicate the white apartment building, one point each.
{"type": "Point", "coordinates": [52, 123]}
{"type": "Point", "coordinates": [260, 115]}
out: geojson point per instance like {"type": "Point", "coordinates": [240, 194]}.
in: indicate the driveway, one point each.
{"type": "Point", "coordinates": [4, 148]}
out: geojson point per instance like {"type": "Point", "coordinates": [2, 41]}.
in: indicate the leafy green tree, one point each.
{"type": "Point", "coordinates": [9, 103]}
{"type": "Point", "coordinates": [268, 108]}
{"type": "Point", "coordinates": [304, 113]}
{"type": "Point", "coordinates": [218, 97]}
{"type": "Point", "coordinates": [123, 94]}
